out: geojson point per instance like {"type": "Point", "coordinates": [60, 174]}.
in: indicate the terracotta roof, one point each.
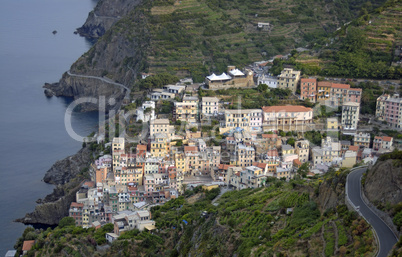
{"type": "Point", "coordinates": [224, 166]}
{"type": "Point", "coordinates": [190, 149]}
{"type": "Point", "coordinates": [377, 137]}
{"type": "Point", "coordinates": [286, 108]}
{"type": "Point", "coordinates": [74, 204]}
{"type": "Point", "coordinates": [90, 184]}
{"type": "Point", "coordinates": [28, 245]}
{"type": "Point", "coordinates": [343, 86]}
{"type": "Point", "coordinates": [387, 139]}
{"type": "Point", "coordinates": [229, 138]}
{"type": "Point", "coordinates": [297, 162]}
{"type": "Point", "coordinates": [309, 80]}
{"type": "Point", "coordinates": [269, 136]}
{"type": "Point", "coordinates": [354, 148]}
{"type": "Point", "coordinates": [356, 89]}
{"type": "Point", "coordinates": [324, 84]}
{"type": "Point", "coordinates": [142, 147]}
{"type": "Point", "coordinates": [310, 174]}
{"type": "Point", "coordinates": [260, 165]}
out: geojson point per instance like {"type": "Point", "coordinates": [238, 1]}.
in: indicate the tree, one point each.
{"type": "Point", "coordinates": [194, 129]}
{"type": "Point", "coordinates": [291, 141]}
{"type": "Point", "coordinates": [262, 87]}
{"type": "Point", "coordinates": [179, 143]}
{"type": "Point", "coordinates": [66, 221]}
{"type": "Point", "coordinates": [304, 169]}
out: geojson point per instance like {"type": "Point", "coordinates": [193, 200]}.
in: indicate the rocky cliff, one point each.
{"type": "Point", "coordinates": [110, 67]}
{"type": "Point", "coordinates": [68, 175]}
{"type": "Point", "coordinates": [383, 183]}
{"type": "Point", "coordinates": [331, 192]}
{"type": "Point", "coordinates": [80, 87]}
{"type": "Point", "coordinates": [55, 206]}
{"type": "Point", "coordinates": [105, 14]}
{"type": "Point", "coordinates": [65, 170]}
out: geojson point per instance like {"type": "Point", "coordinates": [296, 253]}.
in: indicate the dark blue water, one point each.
{"type": "Point", "coordinates": [32, 133]}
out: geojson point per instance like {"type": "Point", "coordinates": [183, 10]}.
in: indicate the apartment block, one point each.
{"type": "Point", "coordinates": [389, 109]}
{"type": "Point", "coordinates": [289, 79]}
{"type": "Point", "coordinates": [302, 149]}
{"type": "Point", "coordinates": [382, 143]}
{"type": "Point", "coordinates": [187, 110]}
{"type": "Point", "coordinates": [163, 126]}
{"type": "Point", "coordinates": [362, 139]}
{"type": "Point", "coordinates": [246, 119]}
{"type": "Point", "coordinates": [209, 106]}
{"type": "Point", "coordinates": [350, 116]}
{"type": "Point", "coordinates": [308, 89]}
{"type": "Point", "coordinates": [323, 91]}
{"type": "Point", "coordinates": [287, 118]}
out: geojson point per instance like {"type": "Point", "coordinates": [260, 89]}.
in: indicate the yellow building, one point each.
{"type": "Point", "coordinates": [159, 146]}
{"type": "Point", "coordinates": [287, 149]}
{"type": "Point", "coordinates": [245, 156]}
{"type": "Point", "coordinates": [209, 186]}
{"type": "Point", "coordinates": [289, 79]}
{"type": "Point", "coordinates": [180, 162]}
{"type": "Point", "coordinates": [332, 124]}
{"type": "Point", "coordinates": [158, 126]}
{"type": "Point", "coordinates": [187, 110]}
{"type": "Point", "coordinates": [323, 91]}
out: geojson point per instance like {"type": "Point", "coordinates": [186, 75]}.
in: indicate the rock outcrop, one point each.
{"type": "Point", "coordinates": [105, 14]}
{"type": "Point", "coordinates": [384, 182]}
{"type": "Point", "coordinates": [114, 59]}
{"type": "Point", "coordinates": [56, 206]}
{"type": "Point", "coordinates": [80, 87]}
{"type": "Point", "coordinates": [65, 170]}
{"type": "Point", "coordinates": [68, 174]}
{"type": "Point", "coordinates": [331, 192]}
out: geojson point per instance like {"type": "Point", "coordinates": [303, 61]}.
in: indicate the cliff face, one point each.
{"type": "Point", "coordinates": [79, 87]}
{"type": "Point", "coordinates": [50, 213]}
{"type": "Point", "coordinates": [384, 182]}
{"type": "Point", "coordinates": [109, 68]}
{"type": "Point", "coordinates": [105, 14]}
{"type": "Point", "coordinates": [332, 191]}
{"type": "Point", "coordinates": [66, 174]}
{"type": "Point", "coordinates": [64, 170]}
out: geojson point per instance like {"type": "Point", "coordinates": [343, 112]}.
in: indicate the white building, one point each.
{"type": "Point", "coordinates": [146, 112]}
{"type": "Point", "coordinates": [210, 106]}
{"type": "Point", "coordinates": [271, 82]}
{"type": "Point", "coordinates": [350, 116]}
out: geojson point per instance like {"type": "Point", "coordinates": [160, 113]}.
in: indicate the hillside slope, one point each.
{"type": "Point", "coordinates": [196, 37]}
{"type": "Point", "coordinates": [368, 47]}
{"type": "Point", "coordinates": [250, 222]}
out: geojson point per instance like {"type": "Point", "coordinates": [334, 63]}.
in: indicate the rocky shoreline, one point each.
{"type": "Point", "coordinates": [68, 174]}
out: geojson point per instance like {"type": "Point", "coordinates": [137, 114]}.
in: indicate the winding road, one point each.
{"type": "Point", "coordinates": [384, 233]}
{"type": "Point", "coordinates": [106, 80]}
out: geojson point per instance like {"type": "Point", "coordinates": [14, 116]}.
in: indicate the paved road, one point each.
{"type": "Point", "coordinates": [106, 80]}
{"type": "Point", "coordinates": [384, 233]}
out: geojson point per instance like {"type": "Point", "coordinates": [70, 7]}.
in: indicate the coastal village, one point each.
{"type": "Point", "coordinates": [241, 148]}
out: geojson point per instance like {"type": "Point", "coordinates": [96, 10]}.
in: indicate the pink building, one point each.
{"type": "Point", "coordinates": [382, 143]}
{"type": "Point", "coordinates": [354, 95]}
{"type": "Point", "coordinates": [308, 89]}
{"type": "Point", "coordinates": [389, 109]}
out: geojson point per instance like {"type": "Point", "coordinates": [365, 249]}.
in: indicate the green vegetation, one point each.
{"type": "Point", "coordinates": [157, 81]}
{"type": "Point", "coordinates": [197, 37]}
{"type": "Point", "coordinates": [363, 49]}
{"type": "Point", "coordinates": [244, 222]}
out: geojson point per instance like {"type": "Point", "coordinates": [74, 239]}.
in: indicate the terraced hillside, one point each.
{"type": "Point", "coordinates": [199, 36]}
{"type": "Point", "coordinates": [196, 37]}
{"type": "Point", "coordinates": [369, 47]}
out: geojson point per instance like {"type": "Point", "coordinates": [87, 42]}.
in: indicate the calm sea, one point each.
{"type": "Point", "coordinates": [32, 133]}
